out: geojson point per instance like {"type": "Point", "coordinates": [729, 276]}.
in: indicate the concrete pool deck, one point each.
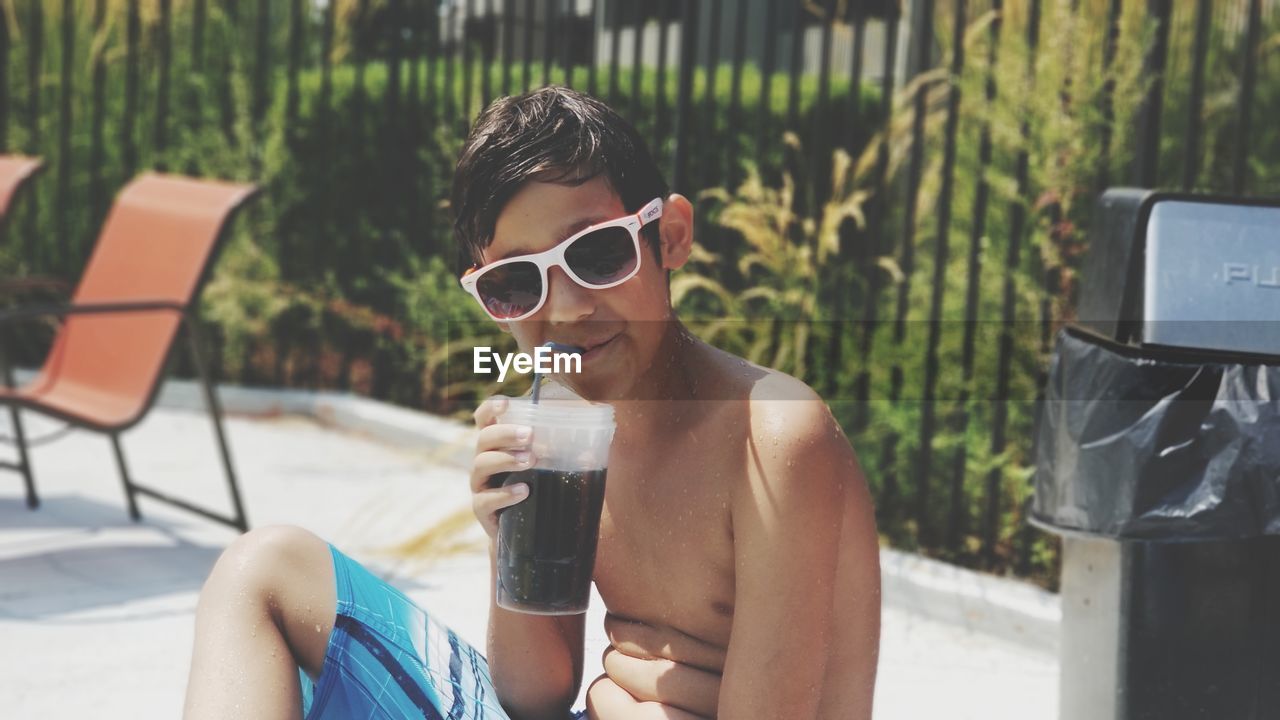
{"type": "Point", "coordinates": [96, 611]}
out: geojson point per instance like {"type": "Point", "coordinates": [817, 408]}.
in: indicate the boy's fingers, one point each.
{"type": "Point", "coordinates": [499, 448]}
{"type": "Point", "coordinates": [502, 436]}
{"type": "Point", "coordinates": [487, 503]}
{"type": "Point", "coordinates": [495, 461]}
{"type": "Point", "coordinates": [489, 410]}
{"type": "Point", "coordinates": [496, 499]}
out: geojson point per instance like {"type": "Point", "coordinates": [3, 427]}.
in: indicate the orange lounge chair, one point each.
{"type": "Point", "coordinates": [105, 365]}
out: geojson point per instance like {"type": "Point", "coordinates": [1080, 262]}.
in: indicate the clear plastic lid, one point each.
{"type": "Point", "coordinates": [557, 413]}
{"type": "Point", "coordinates": [558, 406]}
{"type": "Point", "coordinates": [569, 433]}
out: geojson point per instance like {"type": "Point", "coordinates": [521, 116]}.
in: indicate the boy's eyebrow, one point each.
{"type": "Point", "coordinates": [564, 234]}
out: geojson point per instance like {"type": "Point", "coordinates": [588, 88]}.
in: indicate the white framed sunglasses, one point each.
{"type": "Point", "coordinates": [597, 257]}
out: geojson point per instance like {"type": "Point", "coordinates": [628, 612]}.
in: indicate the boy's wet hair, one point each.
{"type": "Point", "coordinates": [553, 134]}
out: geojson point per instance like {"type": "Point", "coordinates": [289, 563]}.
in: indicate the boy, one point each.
{"type": "Point", "coordinates": [737, 554]}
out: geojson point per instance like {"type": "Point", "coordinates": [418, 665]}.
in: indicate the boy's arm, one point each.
{"type": "Point", "coordinates": [802, 503]}
{"type": "Point", "coordinates": [535, 661]}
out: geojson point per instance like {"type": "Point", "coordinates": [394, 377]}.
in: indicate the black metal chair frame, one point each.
{"type": "Point", "coordinates": [187, 319]}
{"type": "Point", "coordinates": [131, 487]}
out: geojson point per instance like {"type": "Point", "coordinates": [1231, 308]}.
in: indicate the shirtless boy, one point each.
{"type": "Point", "coordinates": [737, 554]}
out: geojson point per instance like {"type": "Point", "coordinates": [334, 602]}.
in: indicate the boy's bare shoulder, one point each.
{"type": "Point", "coordinates": [775, 409]}
{"type": "Point", "coordinates": [790, 419]}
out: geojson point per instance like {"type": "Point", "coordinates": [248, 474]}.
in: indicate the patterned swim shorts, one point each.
{"type": "Point", "coordinates": [387, 659]}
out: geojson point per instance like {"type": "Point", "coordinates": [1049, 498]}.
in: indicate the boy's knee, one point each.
{"type": "Point", "coordinates": [276, 576]}
{"type": "Point", "coordinates": [265, 560]}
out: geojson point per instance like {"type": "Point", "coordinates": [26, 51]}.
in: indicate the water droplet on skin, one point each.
{"type": "Point", "coordinates": [317, 628]}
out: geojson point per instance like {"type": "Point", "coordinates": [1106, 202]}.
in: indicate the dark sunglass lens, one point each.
{"type": "Point", "coordinates": [603, 256]}
{"type": "Point", "coordinates": [510, 290]}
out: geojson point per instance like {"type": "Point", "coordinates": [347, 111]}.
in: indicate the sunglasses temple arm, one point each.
{"type": "Point", "coordinates": [651, 211]}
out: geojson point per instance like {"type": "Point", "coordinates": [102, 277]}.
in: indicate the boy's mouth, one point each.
{"type": "Point", "coordinates": [595, 348]}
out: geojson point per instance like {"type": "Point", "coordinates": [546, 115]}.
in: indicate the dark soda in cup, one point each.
{"type": "Point", "coordinates": [547, 542]}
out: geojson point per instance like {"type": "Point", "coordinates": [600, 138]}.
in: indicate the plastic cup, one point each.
{"type": "Point", "coordinates": [547, 542]}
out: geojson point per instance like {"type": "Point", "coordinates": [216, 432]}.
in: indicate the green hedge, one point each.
{"type": "Point", "coordinates": [342, 274]}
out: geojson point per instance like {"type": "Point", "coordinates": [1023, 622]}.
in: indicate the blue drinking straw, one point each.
{"type": "Point", "coordinates": [555, 347]}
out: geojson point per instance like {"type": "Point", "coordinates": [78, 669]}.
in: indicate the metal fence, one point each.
{"type": "Point", "coordinates": [1161, 143]}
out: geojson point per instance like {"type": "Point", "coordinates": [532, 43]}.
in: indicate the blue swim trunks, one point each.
{"type": "Point", "coordinates": [387, 659]}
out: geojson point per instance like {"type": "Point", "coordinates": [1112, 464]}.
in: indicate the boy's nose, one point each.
{"type": "Point", "coordinates": [567, 301]}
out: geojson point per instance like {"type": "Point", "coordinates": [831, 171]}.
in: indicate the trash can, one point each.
{"type": "Point", "coordinates": [1158, 461]}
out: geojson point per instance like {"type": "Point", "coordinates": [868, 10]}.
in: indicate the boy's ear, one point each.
{"type": "Point", "coordinates": [676, 231]}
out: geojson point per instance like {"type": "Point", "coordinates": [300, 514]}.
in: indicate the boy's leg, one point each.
{"type": "Point", "coordinates": [267, 608]}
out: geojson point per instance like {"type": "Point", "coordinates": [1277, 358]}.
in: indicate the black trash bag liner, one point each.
{"type": "Point", "coordinates": [1158, 443]}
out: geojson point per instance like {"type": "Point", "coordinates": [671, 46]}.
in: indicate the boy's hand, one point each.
{"type": "Point", "coordinates": [500, 448]}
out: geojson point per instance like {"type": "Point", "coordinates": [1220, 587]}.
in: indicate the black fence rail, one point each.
{"type": "Point", "coordinates": [1084, 120]}
{"type": "Point", "coordinates": [944, 153]}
